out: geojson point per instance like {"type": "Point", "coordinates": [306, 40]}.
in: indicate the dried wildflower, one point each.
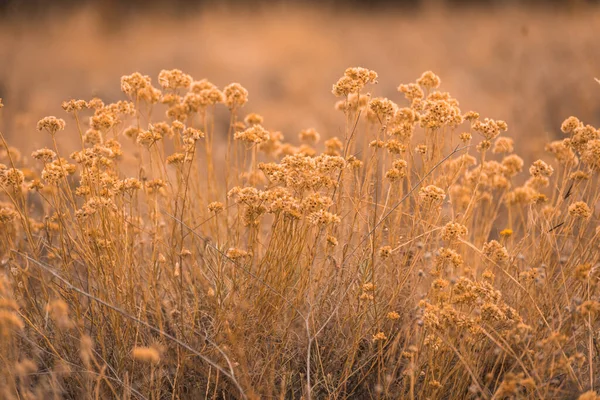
{"type": "Point", "coordinates": [345, 86]}
{"type": "Point", "coordinates": [74, 105]}
{"type": "Point", "coordinates": [538, 182]}
{"type": "Point", "coordinates": [379, 337]}
{"type": "Point", "coordinates": [503, 145]}
{"type": "Point", "coordinates": [315, 202]}
{"type": "Point", "coordinates": [483, 146]}
{"type": "Point", "coordinates": [235, 254]}
{"type": "Point", "coordinates": [488, 275]}
{"type": "Point", "coordinates": [491, 313]}
{"type": "Point", "coordinates": [385, 252]}
{"type": "Point", "coordinates": [11, 177]}
{"type": "Point", "coordinates": [421, 149]}
{"type": "Point", "coordinates": [51, 124]}
{"type": "Point", "coordinates": [174, 79]}
{"type": "Point", "coordinates": [354, 101]}
{"type": "Point", "coordinates": [540, 169]}
{"type": "Point", "coordinates": [496, 252]}
{"type": "Point", "coordinates": [448, 257]}
{"type": "Point", "coordinates": [323, 217]}
{"type": "Point", "coordinates": [155, 185]}
{"type": "Point", "coordinates": [254, 134]}
{"type": "Point", "coordinates": [137, 86]}
{"type": "Point", "coordinates": [471, 116]}
{"type": "Point", "coordinates": [354, 162]}
{"type": "Point", "coordinates": [582, 271]}
{"type": "Point", "coordinates": [562, 152]}
{"type": "Point", "coordinates": [333, 146]}
{"type": "Point", "coordinates": [216, 207]}
{"type": "Point", "coordinates": [439, 284]}
{"type": "Point", "coordinates": [393, 315]}
{"type": "Point", "coordinates": [253, 119]}
{"type": "Point", "coordinates": [453, 231]}
{"type": "Point", "coordinates": [589, 308]}
{"type": "Point", "coordinates": [7, 214]}
{"type": "Point", "coordinates": [395, 146]}
{"type": "Point", "coordinates": [191, 135]}
{"type": "Point", "coordinates": [353, 81]}
{"type": "Point", "coordinates": [131, 84]}
{"type": "Point", "coordinates": [309, 135]}
{"type": "Point", "coordinates": [176, 158]}
{"type": "Point", "coordinates": [411, 91]}
{"type": "Point", "coordinates": [154, 134]}
{"type": "Point", "coordinates": [570, 124]}
{"type": "Point", "coordinates": [432, 193]}
{"type": "Point", "coordinates": [394, 174]}
{"type": "Point", "coordinates": [440, 110]}
{"type": "Point", "coordinates": [368, 287]}
{"type": "Point", "coordinates": [95, 103]}
{"type": "Point", "coordinates": [132, 132]}
{"type": "Point", "coordinates": [332, 241]}
{"type": "Point", "coordinates": [512, 164]}
{"type": "Point", "coordinates": [170, 99]}
{"type": "Point", "coordinates": [378, 144]}
{"type": "Point", "coordinates": [382, 108]}
{"type": "Point", "coordinates": [235, 95]}
{"type": "Point", "coordinates": [429, 80]}
{"type": "Point", "coordinates": [489, 128]}
{"type": "Point", "coordinates": [201, 85]}
{"type": "Point", "coordinates": [362, 75]}
{"type": "Point", "coordinates": [45, 155]}
{"type": "Point", "coordinates": [580, 209]}
{"type": "Point", "coordinates": [581, 136]}
{"type": "Point", "coordinates": [366, 297]}
{"type": "Point", "coordinates": [92, 137]}
{"type": "Point", "coordinates": [591, 154]}
{"type": "Point", "coordinates": [148, 355]}
{"type": "Point", "coordinates": [465, 137]}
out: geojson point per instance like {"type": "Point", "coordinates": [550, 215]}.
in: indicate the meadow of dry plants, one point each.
{"type": "Point", "coordinates": [163, 243]}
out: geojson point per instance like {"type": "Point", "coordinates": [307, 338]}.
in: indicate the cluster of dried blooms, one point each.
{"type": "Point", "coordinates": [407, 256]}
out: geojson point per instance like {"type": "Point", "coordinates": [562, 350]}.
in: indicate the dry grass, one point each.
{"type": "Point", "coordinates": [408, 258]}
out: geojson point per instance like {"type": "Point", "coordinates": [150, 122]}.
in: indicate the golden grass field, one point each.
{"type": "Point", "coordinates": [309, 231]}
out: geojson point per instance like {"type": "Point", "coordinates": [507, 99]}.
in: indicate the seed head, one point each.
{"type": "Point", "coordinates": [174, 79]}
{"type": "Point", "coordinates": [254, 134]}
{"type": "Point", "coordinates": [235, 95]}
{"type": "Point", "coordinates": [216, 207]}
{"type": "Point", "coordinates": [429, 80]}
{"type": "Point", "coordinates": [379, 337]}
{"type": "Point", "coordinates": [570, 124]}
{"type": "Point", "coordinates": [432, 194]}
{"type": "Point", "coordinates": [580, 209]}
{"type": "Point", "coordinates": [453, 231]}
{"type": "Point", "coordinates": [503, 145]}
{"type": "Point", "coordinates": [496, 252]}
{"type": "Point", "coordinates": [51, 124]}
{"type": "Point", "coordinates": [540, 169]}
{"type": "Point", "coordinates": [253, 119]}
{"type": "Point", "coordinates": [309, 135]}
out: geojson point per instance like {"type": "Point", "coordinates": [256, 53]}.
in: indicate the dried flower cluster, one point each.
{"type": "Point", "coordinates": [170, 255]}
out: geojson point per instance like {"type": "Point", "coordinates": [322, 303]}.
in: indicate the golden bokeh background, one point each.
{"type": "Point", "coordinates": [531, 65]}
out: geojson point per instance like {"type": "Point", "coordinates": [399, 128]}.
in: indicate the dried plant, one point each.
{"type": "Point", "coordinates": [407, 258]}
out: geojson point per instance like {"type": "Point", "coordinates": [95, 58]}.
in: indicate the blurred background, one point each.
{"type": "Point", "coordinates": [530, 63]}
